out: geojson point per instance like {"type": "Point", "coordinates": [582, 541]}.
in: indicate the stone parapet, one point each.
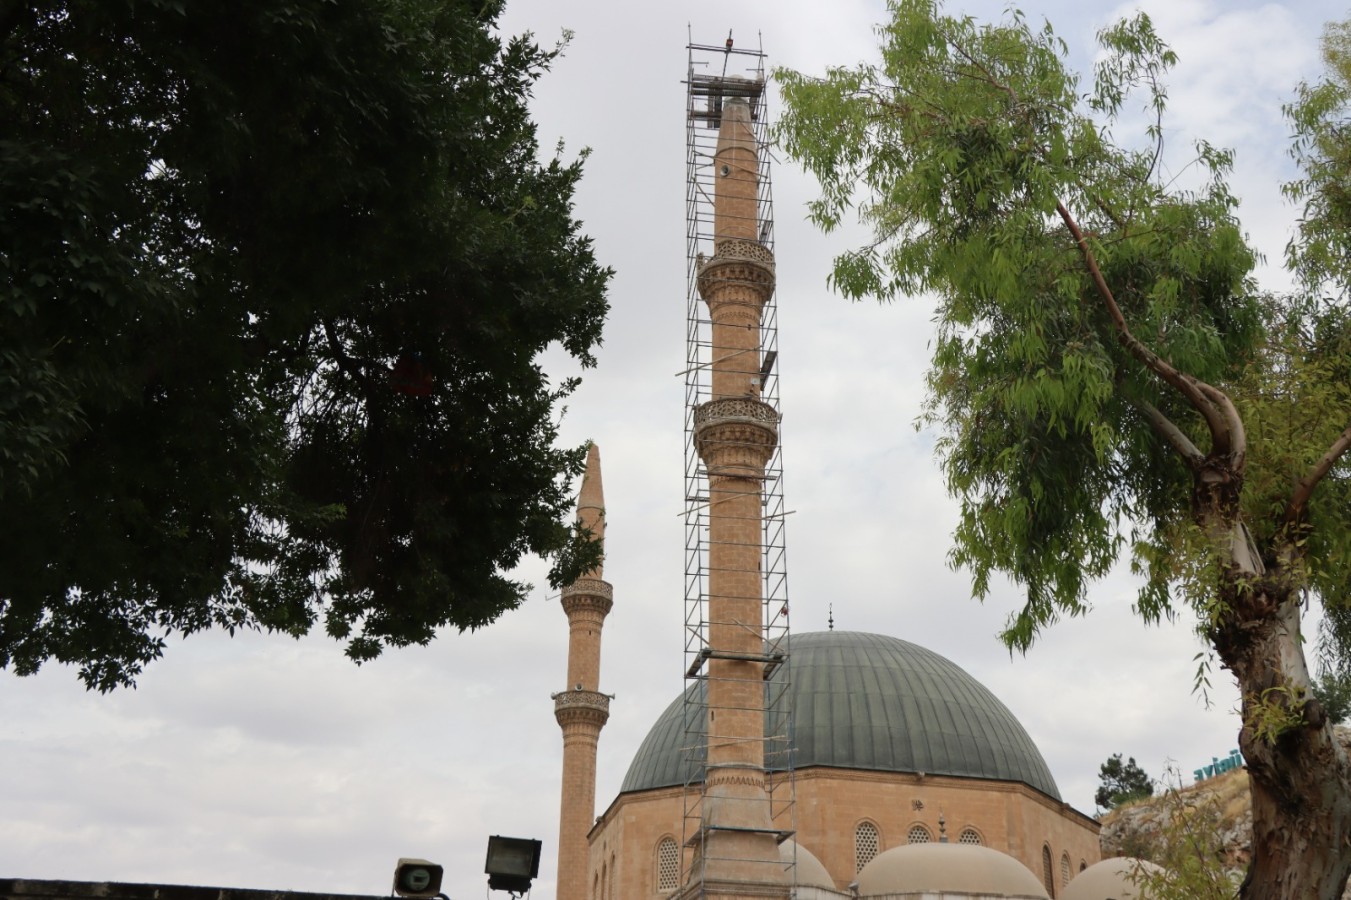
{"type": "Point", "coordinates": [593, 587]}
{"type": "Point", "coordinates": [581, 707]}
{"type": "Point", "coordinates": [744, 250]}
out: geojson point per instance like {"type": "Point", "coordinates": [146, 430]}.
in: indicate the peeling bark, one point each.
{"type": "Point", "coordinates": [1300, 774]}
{"type": "Point", "coordinates": [1301, 780]}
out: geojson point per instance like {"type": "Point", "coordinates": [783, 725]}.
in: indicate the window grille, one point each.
{"type": "Point", "coordinates": [1064, 869]}
{"type": "Point", "coordinates": [668, 865]}
{"type": "Point", "coordinates": [1047, 875]}
{"type": "Point", "coordinates": [919, 834]}
{"type": "Point", "coordinates": [867, 842]}
{"type": "Point", "coordinates": [969, 836]}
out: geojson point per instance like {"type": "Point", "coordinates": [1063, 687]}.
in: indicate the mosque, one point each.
{"type": "Point", "coordinates": [817, 765]}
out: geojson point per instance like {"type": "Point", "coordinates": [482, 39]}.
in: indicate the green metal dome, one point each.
{"type": "Point", "coordinates": [868, 701]}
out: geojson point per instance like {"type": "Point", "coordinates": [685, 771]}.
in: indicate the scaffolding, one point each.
{"type": "Point", "coordinates": [716, 74]}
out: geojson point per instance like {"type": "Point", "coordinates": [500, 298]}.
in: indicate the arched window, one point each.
{"type": "Point", "coordinates": [919, 835]}
{"type": "Point", "coordinates": [1082, 865]}
{"type": "Point", "coordinates": [867, 842]}
{"type": "Point", "coordinates": [595, 886]}
{"type": "Point", "coordinates": [969, 836]}
{"type": "Point", "coordinates": [1047, 873]}
{"type": "Point", "coordinates": [1064, 869]}
{"type": "Point", "coordinates": [668, 865]}
{"type": "Point", "coordinates": [611, 887]}
{"type": "Point", "coordinates": [604, 880]}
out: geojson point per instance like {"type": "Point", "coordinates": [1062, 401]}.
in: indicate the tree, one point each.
{"type": "Point", "coordinates": [1121, 783]}
{"type": "Point", "coordinates": [276, 276]}
{"type": "Point", "coordinates": [1333, 691]}
{"type": "Point", "coordinates": [1187, 846]}
{"type": "Point", "coordinates": [1106, 376]}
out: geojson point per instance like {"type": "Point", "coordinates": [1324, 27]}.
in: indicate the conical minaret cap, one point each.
{"type": "Point", "coordinates": [591, 502]}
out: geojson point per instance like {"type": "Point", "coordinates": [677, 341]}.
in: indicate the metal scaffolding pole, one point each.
{"type": "Point", "coordinates": [717, 74]}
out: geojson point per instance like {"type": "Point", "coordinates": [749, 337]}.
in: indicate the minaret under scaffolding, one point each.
{"type": "Point", "coordinates": [582, 710]}
{"type": "Point", "coordinates": [736, 607]}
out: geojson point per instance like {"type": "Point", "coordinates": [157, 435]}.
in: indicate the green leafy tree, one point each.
{"type": "Point", "coordinates": [1333, 691]}
{"type": "Point", "coordinates": [1106, 377]}
{"type": "Point", "coordinates": [274, 279]}
{"type": "Point", "coordinates": [1121, 782]}
{"type": "Point", "coordinates": [1187, 849]}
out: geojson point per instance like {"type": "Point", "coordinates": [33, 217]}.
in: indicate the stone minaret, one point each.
{"type": "Point", "coordinates": [582, 710]}
{"type": "Point", "coordinates": [735, 434]}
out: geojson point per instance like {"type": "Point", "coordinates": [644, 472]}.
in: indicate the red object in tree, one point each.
{"type": "Point", "coordinates": [410, 376]}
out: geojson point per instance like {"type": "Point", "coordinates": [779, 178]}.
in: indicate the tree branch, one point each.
{"type": "Point", "coordinates": [1190, 388]}
{"type": "Point", "coordinates": [1173, 435]}
{"type": "Point", "coordinates": [1304, 488]}
{"type": "Point", "coordinates": [1238, 435]}
{"type": "Point", "coordinates": [347, 363]}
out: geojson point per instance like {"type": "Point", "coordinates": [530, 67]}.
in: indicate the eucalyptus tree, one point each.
{"type": "Point", "coordinates": [1107, 379]}
{"type": "Point", "coordinates": [275, 276]}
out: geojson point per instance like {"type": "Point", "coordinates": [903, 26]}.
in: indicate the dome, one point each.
{"type": "Point", "coordinates": [810, 872]}
{"type": "Point", "coordinates": [947, 868]}
{"type": "Point", "coordinates": [1107, 880]}
{"type": "Point", "coordinates": [868, 701]}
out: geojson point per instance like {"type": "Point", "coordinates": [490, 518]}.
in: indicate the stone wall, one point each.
{"type": "Point", "coordinates": [831, 803]}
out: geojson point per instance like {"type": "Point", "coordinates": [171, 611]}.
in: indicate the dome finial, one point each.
{"type": "Point", "coordinates": [830, 620]}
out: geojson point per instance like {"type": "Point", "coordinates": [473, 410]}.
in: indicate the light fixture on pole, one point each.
{"type": "Point", "coordinates": [512, 863]}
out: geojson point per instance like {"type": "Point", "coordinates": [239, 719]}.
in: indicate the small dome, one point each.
{"type": "Point", "coordinates": [948, 868]}
{"type": "Point", "coordinates": [810, 872]}
{"type": "Point", "coordinates": [869, 701]}
{"type": "Point", "coordinates": [1110, 879]}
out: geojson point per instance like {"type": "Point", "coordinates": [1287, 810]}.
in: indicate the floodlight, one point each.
{"type": "Point", "coordinates": [512, 863]}
{"type": "Point", "coordinates": [417, 878]}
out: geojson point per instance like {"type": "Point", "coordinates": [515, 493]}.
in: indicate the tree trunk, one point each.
{"type": "Point", "coordinates": [1299, 772]}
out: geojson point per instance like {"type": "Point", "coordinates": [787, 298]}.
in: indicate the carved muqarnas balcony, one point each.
{"type": "Point", "coordinates": [735, 436]}
{"type": "Point", "coordinates": [740, 270]}
{"type": "Point", "coordinates": [589, 707]}
{"type": "Point", "coordinates": [588, 595]}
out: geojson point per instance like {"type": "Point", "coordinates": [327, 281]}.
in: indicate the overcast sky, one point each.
{"type": "Point", "coordinates": [269, 763]}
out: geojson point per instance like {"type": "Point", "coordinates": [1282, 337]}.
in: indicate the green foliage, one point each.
{"type": "Point", "coordinates": [1106, 377]}
{"type": "Point", "coordinates": [1120, 783]}
{"type": "Point", "coordinates": [960, 150]}
{"type": "Point", "coordinates": [1319, 114]}
{"type": "Point", "coordinates": [1274, 713]}
{"type": "Point", "coordinates": [1295, 397]}
{"type": "Point", "coordinates": [276, 274]}
{"type": "Point", "coordinates": [1188, 850]}
{"type": "Point", "coordinates": [1333, 692]}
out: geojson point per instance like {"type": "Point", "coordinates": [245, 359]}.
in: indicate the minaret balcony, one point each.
{"type": "Point", "coordinates": [735, 435]}
{"type": "Point", "coordinates": [738, 268]}
{"type": "Point", "coordinates": [585, 707]}
{"type": "Point", "coordinates": [590, 595]}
